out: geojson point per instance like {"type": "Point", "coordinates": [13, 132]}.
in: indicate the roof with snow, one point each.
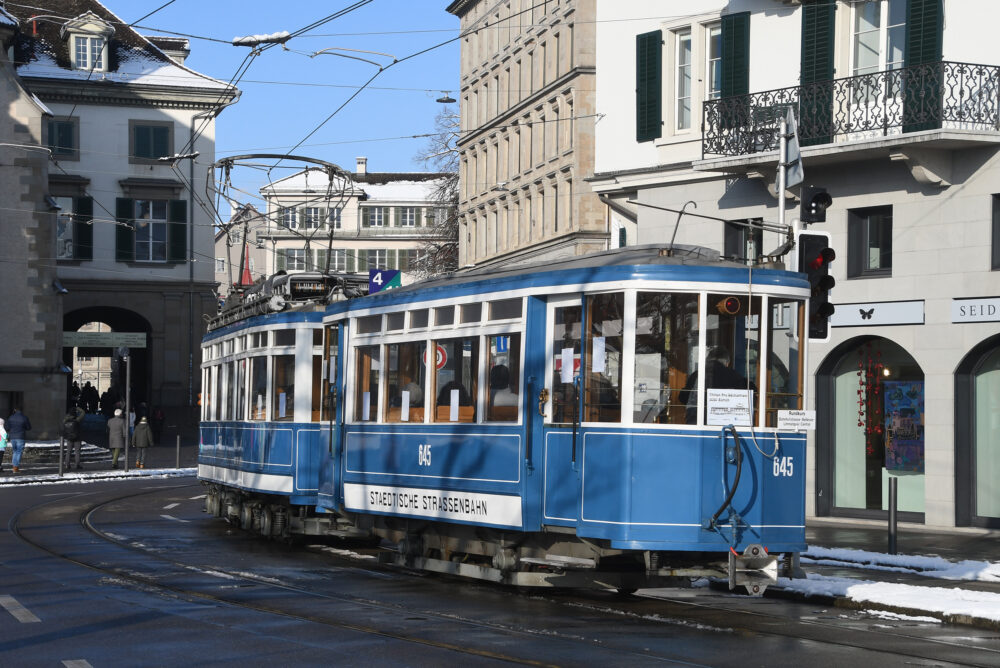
{"type": "Point", "coordinates": [376, 186]}
{"type": "Point", "coordinates": [44, 51]}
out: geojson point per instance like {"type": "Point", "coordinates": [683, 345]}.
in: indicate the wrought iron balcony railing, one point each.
{"type": "Point", "coordinates": [892, 102]}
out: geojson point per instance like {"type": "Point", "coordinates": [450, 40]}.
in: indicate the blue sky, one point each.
{"type": "Point", "coordinates": [302, 90]}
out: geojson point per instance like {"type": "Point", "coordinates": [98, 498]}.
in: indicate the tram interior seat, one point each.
{"type": "Point", "coordinates": [465, 414]}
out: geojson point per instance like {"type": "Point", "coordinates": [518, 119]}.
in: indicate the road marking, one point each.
{"type": "Point", "coordinates": [171, 517]}
{"type": "Point", "coordinates": [20, 613]}
{"type": "Point", "coordinates": [170, 505]}
{"type": "Point", "coordinates": [77, 663]}
{"type": "Point", "coordinates": [200, 496]}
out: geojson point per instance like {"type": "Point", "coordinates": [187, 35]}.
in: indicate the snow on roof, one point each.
{"type": "Point", "coordinates": [6, 19]}
{"type": "Point", "coordinates": [401, 191]}
{"type": "Point", "coordinates": [377, 186]}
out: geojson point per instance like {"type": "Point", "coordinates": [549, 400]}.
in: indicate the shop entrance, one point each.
{"type": "Point", "coordinates": [977, 436]}
{"type": "Point", "coordinates": [872, 392]}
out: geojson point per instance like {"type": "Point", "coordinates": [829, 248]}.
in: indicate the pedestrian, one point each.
{"type": "Point", "coordinates": [156, 420]}
{"type": "Point", "coordinates": [71, 432]}
{"type": "Point", "coordinates": [142, 438]}
{"type": "Point", "coordinates": [116, 436]}
{"type": "Point", "coordinates": [3, 442]}
{"type": "Point", "coordinates": [18, 425]}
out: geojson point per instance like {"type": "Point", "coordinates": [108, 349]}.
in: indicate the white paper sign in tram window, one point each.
{"type": "Point", "coordinates": [332, 376]}
{"type": "Point", "coordinates": [366, 406]}
{"type": "Point", "coordinates": [566, 372]}
{"type": "Point", "coordinates": [453, 413]}
{"type": "Point", "coordinates": [600, 358]}
{"type": "Point", "coordinates": [797, 420]}
{"type": "Point", "coordinates": [282, 404]}
{"type": "Point", "coordinates": [404, 407]}
{"type": "Point", "coordinates": [260, 403]}
{"type": "Point", "coordinates": [729, 407]}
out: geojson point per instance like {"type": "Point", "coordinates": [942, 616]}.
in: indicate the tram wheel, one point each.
{"type": "Point", "coordinates": [246, 516]}
{"type": "Point", "coordinates": [266, 522]}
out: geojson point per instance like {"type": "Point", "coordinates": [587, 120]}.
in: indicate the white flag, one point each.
{"type": "Point", "coordinates": [794, 174]}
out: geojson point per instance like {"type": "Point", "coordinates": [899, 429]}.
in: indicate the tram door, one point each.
{"type": "Point", "coordinates": [332, 418]}
{"type": "Point", "coordinates": [559, 413]}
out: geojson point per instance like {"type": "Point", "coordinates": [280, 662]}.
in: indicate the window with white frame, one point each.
{"type": "Point", "coordinates": [713, 61]}
{"type": "Point", "coordinates": [220, 265]}
{"type": "Point", "coordinates": [295, 259]}
{"type": "Point", "coordinates": [408, 216]}
{"type": "Point", "coordinates": [879, 36]}
{"type": "Point", "coordinates": [682, 80]}
{"type": "Point", "coordinates": [89, 53]}
{"type": "Point", "coordinates": [312, 217]}
{"type": "Point", "coordinates": [333, 220]}
{"type": "Point", "coordinates": [287, 217]}
{"type": "Point", "coordinates": [338, 259]}
{"type": "Point", "coordinates": [376, 216]}
{"type": "Point", "coordinates": [150, 230]}
{"type": "Point", "coordinates": [378, 259]}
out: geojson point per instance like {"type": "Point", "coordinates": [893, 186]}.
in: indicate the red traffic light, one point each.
{"type": "Point", "coordinates": [826, 256]}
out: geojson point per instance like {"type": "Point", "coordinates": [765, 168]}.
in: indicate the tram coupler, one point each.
{"type": "Point", "coordinates": [755, 569]}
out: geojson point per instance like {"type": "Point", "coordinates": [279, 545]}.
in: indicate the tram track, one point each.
{"type": "Point", "coordinates": [238, 588]}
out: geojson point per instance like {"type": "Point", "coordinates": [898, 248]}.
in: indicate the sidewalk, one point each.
{"type": "Point", "coordinates": [40, 461]}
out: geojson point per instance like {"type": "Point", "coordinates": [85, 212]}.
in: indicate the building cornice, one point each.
{"type": "Point", "coordinates": [127, 95]}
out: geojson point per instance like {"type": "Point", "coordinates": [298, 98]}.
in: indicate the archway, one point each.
{"type": "Point", "coordinates": [977, 436]}
{"type": "Point", "coordinates": [870, 426]}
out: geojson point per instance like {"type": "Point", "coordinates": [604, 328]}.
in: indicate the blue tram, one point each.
{"type": "Point", "coordinates": [609, 419]}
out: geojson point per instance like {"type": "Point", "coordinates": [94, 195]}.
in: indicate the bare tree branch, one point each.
{"type": "Point", "coordinates": [439, 252]}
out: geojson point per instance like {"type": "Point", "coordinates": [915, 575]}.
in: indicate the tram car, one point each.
{"type": "Point", "coordinates": [606, 420]}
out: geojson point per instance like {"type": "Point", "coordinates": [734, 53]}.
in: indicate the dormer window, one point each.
{"type": "Point", "coordinates": [87, 37]}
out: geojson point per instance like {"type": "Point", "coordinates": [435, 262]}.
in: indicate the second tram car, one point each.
{"type": "Point", "coordinates": [605, 420]}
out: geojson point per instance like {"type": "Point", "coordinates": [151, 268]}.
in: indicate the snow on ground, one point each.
{"type": "Point", "coordinates": [934, 567]}
{"type": "Point", "coordinates": [77, 477]}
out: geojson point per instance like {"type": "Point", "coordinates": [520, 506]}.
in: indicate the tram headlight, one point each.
{"type": "Point", "coordinates": [729, 306]}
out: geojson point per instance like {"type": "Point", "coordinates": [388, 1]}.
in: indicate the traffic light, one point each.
{"type": "Point", "coordinates": [815, 201]}
{"type": "Point", "coordinates": [815, 256]}
{"type": "Point", "coordinates": [729, 306]}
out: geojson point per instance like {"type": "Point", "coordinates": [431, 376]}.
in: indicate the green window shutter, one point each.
{"type": "Point", "coordinates": [124, 231]}
{"type": "Point", "coordinates": [321, 259]}
{"type": "Point", "coordinates": [397, 215]}
{"type": "Point", "coordinates": [362, 256]}
{"type": "Point", "coordinates": [924, 32]}
{"type": "Point", "coordinates": [365, 220]}
{"type": "Point", "coordinates": [177, 230]}
{"type": "Point", "coordinates": [350, 263]}
{"type": "Point", "coordinates": [143, 141]}
{"type": "Point", "coordinates": [420, 214]}
{"type": "Point", "coordinates": [648, 85]}
{"type": "Point", "coordinates": [279, 260]}
{"type": "Point", "coordinates": [392, 259]}
{"type": "Point", "coordinates": [83, 229]}
{"type": "Point", "coordinates": [161, 141]}
{"type": "Point", "coordinates": [404, 260]}
{"type": "Point", "coordinates": [816, 97]}
{"type": "Point", "coordinates": [735, 38]}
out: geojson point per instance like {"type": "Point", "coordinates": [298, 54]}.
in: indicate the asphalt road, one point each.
{"type": "Point", "coordinates": [133, 573]}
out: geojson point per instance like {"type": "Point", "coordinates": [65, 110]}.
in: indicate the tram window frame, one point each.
{"type": "Point", "coordinates": [419, 318]}
{"type": "Point", "coordinates": [405, 356]}
{"type": "Point", "coordinates": [331, 352]}
{"type": "Point", "coordinates": [230, 386]}
{"type": "Point", "coordinates": [471, 313]}
{"type": "Point", "coordinates": [316, 414]}
{"type": "Point", "coordinates": [363, 382]}
{"type": "Point", "coordinates": [497, 401]}
{"type": "Point", "coordinates": [563, 406]}
{"type": "Point", "coordinates": [793, 396]}
{"type": "Point", "coordinates": [444, 316]}
{"type": "Point", "coordinates": [666, 331]}
{"type": "Point", "coordinates": [241, 388]}
{"type": "Point", "coordinates": [602, 399]}
{"type": "Point", "coordinates": [395, 322]}
{"type": "Point", "coordinates": [443, 410]}
{"type": "Point", "coordinates": [498, 309]}
{"type": "Point", "coordinates": [284, 337]}
{"type": "Point", "coordinates": [283, 377]}
{"type": "Point", "coordinates": [258, 397]}
{"type": "Point", "coordinates": [369, 324]}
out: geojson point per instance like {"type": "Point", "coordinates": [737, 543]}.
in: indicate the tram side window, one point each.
{"type": "Point", "coordinates": [367, 383]}
{"type": "Point", "coordinates": [317, 387]}
{"type": "Point", "coordinates": [217, 405]}
{"type": "Point", "coordinates": [284, 337]}
{"type": "Point", "coordinates": [405, 373]}
{"type": "Point", "coordinates": [206, 399]}
{"type": "Point", "coordinates": [230, 390]}
{"type": "Point", "coordinates": [605, 322]}
{"type": "Point", "coordinates": [455, 382]}
{"type": "Point", "coordinates": [783, 382]}
{"type": "Point", "coordinates": [504, 374]}
{"type": "Point", "coordinates": [284, 387]}
{"type": "Point", "coordinates": [666, 355]}
{"type": "Point", "coordinates": [566, 352]}
{"type": "Point", "coordinates": [258, 388]}
{"type": "Point", "coordinates": [731, 362]}
{"type": "Point", "coordinates": [241, 389]}
{"type": "Point", "coordinates": [329, 385]}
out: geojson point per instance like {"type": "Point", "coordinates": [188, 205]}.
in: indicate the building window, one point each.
{"type": "Point", "coordinates": [869, 238]}
{"type": "Point", "coordinates": [150, 230]}
{"type": "Point", "coordinates": [378, 259]}
{"type": "Point", "coordinates": [879, 36]}
{"type": "Point", "coordinates": [295, 259]}
{"type": "Point", "coordinates": [334, 219]}
{"type": "Point", "coordinates": [287, 217]}
{"type": "Point", "coordinates": [995, 264]}
{"type": "Point", "coordinates": [312, 217]}
{"type": "Point", "coordinates": [373, 216]}
{"type": "Point", "coordinates": [149, 141]}
{"type": "Point", "coordinates": [220, 265]}
{"type": "Point", "coordinates": [713, 62]}
{"type": "Point", "coordinates": [682, 59]}
{"type": "Point", "coordinates": [88, 53]}
{"type": "Point", "coordinates": [338, 259]}
{"type": "Point", "coordinates": [408, 216]}
{"type": "Point", "coordinates": [63, 138]}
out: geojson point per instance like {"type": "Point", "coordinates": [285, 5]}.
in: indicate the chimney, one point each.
{"type": "Point", "coordinates": [362, 166]}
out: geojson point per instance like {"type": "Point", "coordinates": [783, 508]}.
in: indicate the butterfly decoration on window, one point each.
{"type": "Point", "coordinates": [866, 315]}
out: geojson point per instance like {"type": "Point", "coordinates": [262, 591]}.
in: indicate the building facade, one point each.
{"type": "Point", "coordinates": [318, 219]}
{"type": "Point", "coordinates": [895, 104]}
{"type": "Point", "coordinates": [527, 119]}
{"type": "Point", "coordinates": [131, 134]}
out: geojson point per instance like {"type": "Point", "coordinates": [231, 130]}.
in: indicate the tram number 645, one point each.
{"type": "Point", "coordinates": [424, 454]}
{"type": "Point", "coordinates": [783, 467]}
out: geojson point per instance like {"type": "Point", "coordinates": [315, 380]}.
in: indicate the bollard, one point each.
{"type": "Point", "coordinates": [61, 441]}
{"type": "Point", "coordinates": [178, 464]}
{"type": "Point", "coordinates": [892, 513]}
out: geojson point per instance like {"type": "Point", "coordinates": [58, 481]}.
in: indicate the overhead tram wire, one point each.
{"type": "Point", "coordinates": [163, 6]}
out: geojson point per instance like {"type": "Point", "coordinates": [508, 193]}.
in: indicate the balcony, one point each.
{"type": "Point", "coordinates": [942, 105]}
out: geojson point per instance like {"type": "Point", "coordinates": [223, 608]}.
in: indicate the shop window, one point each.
{"type": "Point", "coordinates": [405, 382]}
{"type": "Point", "coordinates": [504, 374]}
{"type": "Point", "coordinates": [284, 387]}
{"type": "Point", "coordinates": [456, 381]}
{"type": "Point", "coordinates": [666, 354]}
{"type": "Point", "coordinates": [366, 398]}
{"type": "Point", "coordinates": [605, 322]}
{"type": "Point", "coordinates": [869, 242]}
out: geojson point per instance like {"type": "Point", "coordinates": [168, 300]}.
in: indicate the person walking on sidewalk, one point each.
{"type": "Point", "coordinates": [117, 433]}
{"type": "Point", "coordinates": [17, 425]}
{"type": "Point", "coordinates": [142, 438]}
{"type": "Point", "coordinates": [71, 431]}
{"type": "Point", "coordinates": [4, 442]}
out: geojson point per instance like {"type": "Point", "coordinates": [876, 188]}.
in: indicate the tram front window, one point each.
{"type": "Point", "coordinates": [605, 323]}
{"type": "Point", "coordinates": [566, 352]}
{"type": "Point", "coordinates": [666, 340]}
{"type": "Point", "coordinates": [784, 359]}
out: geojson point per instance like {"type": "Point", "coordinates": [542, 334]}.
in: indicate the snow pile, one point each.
{"type": "Point", "coordinates": [934, 567]}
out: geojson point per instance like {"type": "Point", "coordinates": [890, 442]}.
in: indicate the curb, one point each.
{"type": "Point", "coordinates": [93, 476]}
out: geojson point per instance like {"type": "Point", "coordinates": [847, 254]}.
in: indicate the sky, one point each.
{"type": "Point", "coordinates": [286, 94]}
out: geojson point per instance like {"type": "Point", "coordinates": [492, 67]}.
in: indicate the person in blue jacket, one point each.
{"type": "Point", "coordinates": [17, 425]}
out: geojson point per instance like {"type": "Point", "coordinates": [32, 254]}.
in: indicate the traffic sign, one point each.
{"type": "Point", "coordinates": [383, 279]}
